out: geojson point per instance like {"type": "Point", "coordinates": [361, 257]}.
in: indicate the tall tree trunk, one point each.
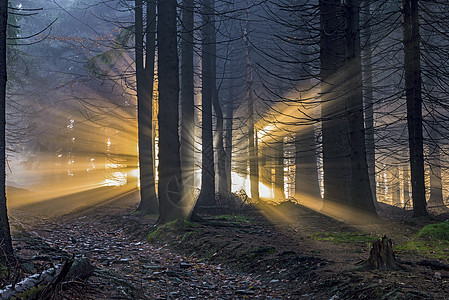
{"type": "Point", "coordinates": [253, 156]}
{"type": "Point", "coordinates": [144, 77]}
{"type": "Point", "coordinates": [412, 68]}
{"type": "Point", "coordinates": [219, 129]}
{"type": "Point", "coordinates": [436, 182]}
{"type": "Point", "coordinates": [5, 235]}
{"type": "Point", "coordinates": [394, 185]}
{"type": "Point", "coordinates": [170, 181]}
{"type": "Point", "coordinates": [361, 196]}
{"type": "Point", "coordinates": [228, 138]}
{"type": "Point", "coordinates": [221, 154]}
{"type": "Point", "coordinates": [306, 173]}
{"type": "Point", "coordinates": [279, 194]}
{"type": "Point", "coordinates": [265, 167]}
{"type": "Point", "coordinates": [306, 169]}
{"type": "Point", "coordinates": [207, 195]}
{"type": "Point", "coordinates": [187, 101]}
{"type": "Point", "coordinates": [406, 183]}
{"type": "Point", "coordinates": [252, 139]}
{"type": "Point", "coordinates": [131, 165]}
{"type": "Point", "coordinates": [334, 123]}
{"type": "Point", "coordinates": [368, 99]}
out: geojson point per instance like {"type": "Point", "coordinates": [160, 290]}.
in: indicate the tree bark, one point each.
{"type": "Point", "coordinates": [207, 195]}
{"type": "Point", "coordinates": [5, 235]}
{"type": "Point", "coordinates": [361, 196]}
{"type": "Point", "coordinates": [252, 134]}
{"type": "Point", "coordinates": [334, 122]}
{"type": "Point", "coordinates": [436, 182]}
{"type": "Point", "coordinates": [228, 138]}
{"type": "Point", "coordinates": [279, 194]}
{"type": "Point", "coordinates": [306, 171]}
{"type": "Point", "coordinates": [413, 82]}
{"type": "Point", "coordinates": [265, 167]}
{"type": "Point", "coordinates": [144, 79]}
{"type": "Point", "coordinates": [368, 99]}
{"type": "Point", "coordinates": [394, 185]}
{"type": "Point", "coordinates": [406, 183]}
{"type": "Point", "coordinates": [170, 181]}
{"type": "Point", "coordinates": [221, 154]}
{"type": "Point", "coordinates": [187, 100]}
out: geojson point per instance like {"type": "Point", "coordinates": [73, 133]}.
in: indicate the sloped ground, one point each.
{"type": "Point", "coordinates": [300, 254]}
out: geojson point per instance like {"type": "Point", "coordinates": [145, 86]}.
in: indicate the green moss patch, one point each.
{"type": "Point", "coordinates": [343, 237]}
{"type": "Point", "coordinates": [182, 229]}
{"type": "Point", "coordinates": [431, 241]}
{"type": "Point", "coordinates": [430, 249]}
{"type": "Point", "coordinates": [233, 218]}
{"type": "Point", "coordinates": [31, 293]}
{"type": "Point", "coordinates": [438, 231]}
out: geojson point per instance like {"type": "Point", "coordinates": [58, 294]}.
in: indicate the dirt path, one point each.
{"type": "Point", "coordinates": [253, 256]}
{"type": "Point", "coordinates": [130, 268]}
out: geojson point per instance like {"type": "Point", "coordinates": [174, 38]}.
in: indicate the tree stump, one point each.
{"type": "Point", "coordinates": [381, 257]}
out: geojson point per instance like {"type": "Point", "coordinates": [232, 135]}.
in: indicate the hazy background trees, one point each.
{"type": "Point", "coordinates": [291, 99]}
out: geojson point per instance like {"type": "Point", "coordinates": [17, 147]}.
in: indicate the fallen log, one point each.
{"type": "Point", "coordinates": [30, 282]}
{"type": "Point", "coordinates": [42, 284]}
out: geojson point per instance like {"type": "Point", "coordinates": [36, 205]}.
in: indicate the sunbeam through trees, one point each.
{"type": "Point", "coordinates": [212, 149]}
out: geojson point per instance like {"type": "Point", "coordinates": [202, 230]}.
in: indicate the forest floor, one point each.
{"type": "Point", "coordinates": [278, 252]}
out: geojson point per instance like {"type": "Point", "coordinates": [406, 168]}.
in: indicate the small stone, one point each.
{"type": "Point", "coordinates": [153, 267]}
{"type": "Point", "coordinates": [184, 265]}
{"type": "Point", "coordinates": [172, 274]}
{"type": "Point", "coordinates": [121, 262]}
{"type": "Point", "coordinates": [437, 275]}
{"type": "Point", "coordinates": [244, 292]}
{"type": "Point", "coordinates": [274, 281]}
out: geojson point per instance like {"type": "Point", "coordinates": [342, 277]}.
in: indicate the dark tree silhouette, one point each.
{"type": "Point", "coordinates": [253, 157]}
{"type": "Point", "coordinates": [170, 181]}
{"type": "Point", "coordinates": [334, 124]}
{"type": "Point", "coordinates": [187, 99]}
{"type": "Point", "coordinates": [5, 235]}
{"type": "Point", "coordinates": [144, 79]}
{"type": "Point", "coordinates": [361, 197]}
{"type": "Point", "coordinates": [368, 94]}
{"type": "Point", "coordinates": [413, 82]}
{"type": "Point", "coordinates": [208, 77]}
{"type": "Point", "coordinates": [278, 147]}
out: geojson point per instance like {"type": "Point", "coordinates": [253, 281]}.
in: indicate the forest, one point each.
{"type": "Point", "coordinates": [220, 149]}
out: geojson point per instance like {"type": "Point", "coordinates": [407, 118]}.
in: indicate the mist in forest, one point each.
{"type": "Point", "coordinates": [279, 111]}
{"type": "Point", "coordinates": [182, 149]}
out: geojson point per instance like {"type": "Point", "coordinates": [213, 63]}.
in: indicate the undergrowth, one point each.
{"type": "Point", "coordinates": [181, 228]}
{"type": "Point", "coordinates": [233, 218]}
{"type": "Point", "coordinates": [344, 237]}
{"type": "Point", "coordinates": [438, 231]}
{"type": "Point", "coordinates": [431, 241]}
